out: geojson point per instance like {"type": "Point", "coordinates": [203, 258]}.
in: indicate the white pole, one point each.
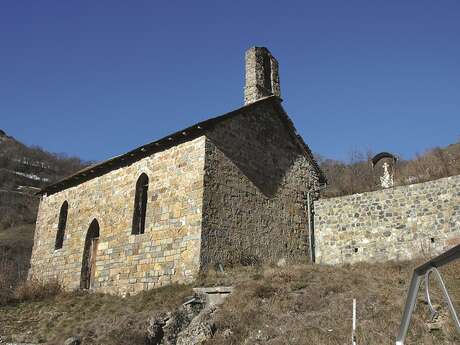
{"type": "Point", "coordinates": [353, 334]}
{"type": "Point", "coordinates": [310, 237]}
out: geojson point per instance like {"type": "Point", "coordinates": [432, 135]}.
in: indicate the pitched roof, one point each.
{"type": "Point", "coordinates": [169, 141]}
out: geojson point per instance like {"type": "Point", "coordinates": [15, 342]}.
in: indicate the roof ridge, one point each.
{"type": "Point", "coordinates": [145, 150]}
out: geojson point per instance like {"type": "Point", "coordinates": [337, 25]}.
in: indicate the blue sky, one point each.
{"type": "Point", "coordinates": [98, 78]}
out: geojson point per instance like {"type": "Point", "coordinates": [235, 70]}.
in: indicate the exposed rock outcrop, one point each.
{"type": "Point", "coordinates": [192, 323]}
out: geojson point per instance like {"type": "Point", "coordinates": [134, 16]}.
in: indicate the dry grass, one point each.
{"type": "Point", "coordinates": [312, 305]}
{"type": "Point", "coordinates": [293, 305]}
{"type": "Point", "coordinates": [36, 290]}
{"type": "Point", "coordinates": [97, 318]}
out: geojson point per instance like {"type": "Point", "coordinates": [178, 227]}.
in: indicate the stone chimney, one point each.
{"type": "Point", "coordinates": [262, 77]}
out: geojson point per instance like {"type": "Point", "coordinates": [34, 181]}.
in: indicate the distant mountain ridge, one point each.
{"type": "Point", "coordinates": [23, 171]}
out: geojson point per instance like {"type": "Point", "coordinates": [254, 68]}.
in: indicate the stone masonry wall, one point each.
{"type": "Point", "coordinates": [167, 252]}
{"type": "Point", "coordinates": [400, 223]}
{"type": "Point", "coordinates": [255, 182]}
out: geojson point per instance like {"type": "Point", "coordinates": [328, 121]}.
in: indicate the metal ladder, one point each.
{"type": "Point", "coordinates": [424, 271]}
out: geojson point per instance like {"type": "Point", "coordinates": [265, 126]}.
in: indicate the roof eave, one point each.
{"type": "Point", "coordinates": [143, 151]}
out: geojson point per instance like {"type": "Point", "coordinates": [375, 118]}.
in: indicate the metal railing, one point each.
{"type": "Point", "coordinates": [424, 271]}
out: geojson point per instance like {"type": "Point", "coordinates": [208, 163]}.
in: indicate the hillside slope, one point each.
{"type": "Point", "coordinates": [292, 305]}
{"type": "Point", "coordinates": [23, 171]}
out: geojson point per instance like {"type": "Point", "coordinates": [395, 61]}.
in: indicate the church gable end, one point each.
{"type": "Point", "coordinates": [256, 179]}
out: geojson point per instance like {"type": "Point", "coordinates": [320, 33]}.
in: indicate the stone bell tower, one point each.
{"type": "Point", "coordinates": [262, 76]}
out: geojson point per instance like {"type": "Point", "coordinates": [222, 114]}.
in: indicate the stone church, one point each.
{"type": "Point", "coordinates": [228, 190]}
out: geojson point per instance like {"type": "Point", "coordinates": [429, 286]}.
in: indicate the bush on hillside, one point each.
{"type": "Point", "coordinates": [36, 289]}
{"type": "Point", "coordinates": [357, 175]}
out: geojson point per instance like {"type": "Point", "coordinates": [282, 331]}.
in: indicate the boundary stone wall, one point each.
{"type": "Point", "coordinates": [400, 223]}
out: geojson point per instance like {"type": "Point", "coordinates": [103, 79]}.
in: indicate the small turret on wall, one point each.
{"type": "Point", "coordinates": [387, 168]}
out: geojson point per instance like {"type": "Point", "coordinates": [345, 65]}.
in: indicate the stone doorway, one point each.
{"type": "Point", "coordinates": [88, 266]}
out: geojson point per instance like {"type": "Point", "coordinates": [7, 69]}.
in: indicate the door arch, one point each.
{"type": "Point", "coordinates": [88, 265]}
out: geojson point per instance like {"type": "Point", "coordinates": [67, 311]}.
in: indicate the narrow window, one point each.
{"type": "Point", "coordinates": [61, 226]}
{"type": "Point", "coordinates": [140, 204]}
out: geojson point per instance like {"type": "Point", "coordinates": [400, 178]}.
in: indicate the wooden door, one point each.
{"type": "Point", "coordinates": [92, 261]}
{"type": "Point", "coordinates": [88, 265]}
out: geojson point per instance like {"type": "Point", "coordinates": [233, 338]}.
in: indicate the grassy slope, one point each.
{"type": "Point", "coordinates": [312, 305]}
{"type": "Point", "coordinates": [293, 305]}
{"type": "Point", "coordinates": [98, 318]}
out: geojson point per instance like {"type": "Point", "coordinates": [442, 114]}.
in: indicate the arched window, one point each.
{"type": "Point", "coordinates": [140, 204]}
{"type": "Point", "coordinates": [61, 226]}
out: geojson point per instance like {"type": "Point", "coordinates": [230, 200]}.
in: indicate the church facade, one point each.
{"type": "Point", "coordinates": [226, 191]}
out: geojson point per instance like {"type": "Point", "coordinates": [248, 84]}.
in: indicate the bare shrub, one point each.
{"type": "Point", "coordinates": [36, 289]}
{"type": "Point", "coordinates": [7, 281]}
{"type": "Point", "coordinates": [14, 263]}
{"type": "Point", "coordinates": [356, 175]}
